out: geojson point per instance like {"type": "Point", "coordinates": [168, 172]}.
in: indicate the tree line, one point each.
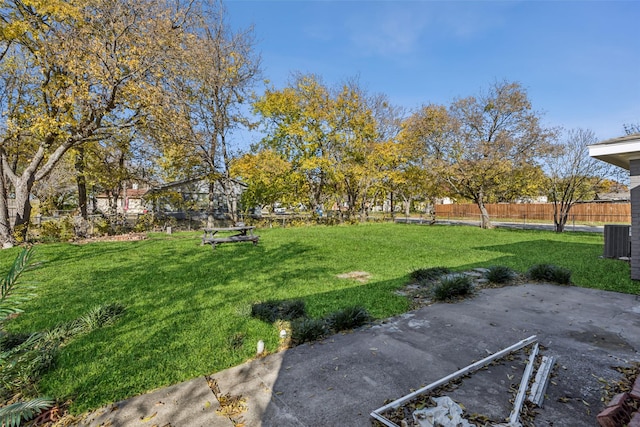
{"type": "Point", "coordinates": [96, 93]}
{"type": "Point", "coordinates": [340, 146]}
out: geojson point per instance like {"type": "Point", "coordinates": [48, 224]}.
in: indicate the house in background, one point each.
{"type": "Point", "coordinates": [174, 198]}
{"type": "Point", "coordinates": [618, 196]}
{"type": "Point", "coordinates": [192, 195]}
{"type": "Point", "coordinates": [131, 200]}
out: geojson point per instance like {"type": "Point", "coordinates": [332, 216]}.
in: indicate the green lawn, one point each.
{"type": "Point", "coordinates": [184, 302]}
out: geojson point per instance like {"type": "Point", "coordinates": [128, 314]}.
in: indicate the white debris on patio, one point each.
{"type": "Point", "coordinates": [446, 413]}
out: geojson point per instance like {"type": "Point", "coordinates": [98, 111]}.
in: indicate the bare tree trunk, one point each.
{"type": "Point", "coordinates": [5, 221]}
{"type": "Point", "coordinates": [211, 205]}
{"type": "Point", "coordinates": [560, 216]}
{"type": "Point", "coordinates": [94, 201]}
{"type": "Point", "coordinates": [352, 202]}
{"type": "Point", "coordinates": [81, 226]}
{"type": "Point", "coordinates": [391, 204]}
{"type": "Point", "coordinates": [431, 208]}
{"type": "Point", "coordinates": [365, 203]}
{"type": "Point", "coordinates": [364, 210]}
{"type": "Point", "coordinates": [485, 222]}
{"type": "Point", "coordinates": [22, 185]}
{"type": "Point", "coordinates": [112, 197]}
{"type": "Point", "coordinates": [407, 206]}
{"type": "Point", "coordinates": [317, 189]}
{"type": "Point", "coordinates": [23, 206]}
{"type": "Point", "coordinates": [227, 184]}
{"type": "Point", "coordinates": [81, 182]}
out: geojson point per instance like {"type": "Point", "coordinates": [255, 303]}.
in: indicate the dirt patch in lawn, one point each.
{"type": "Point", "coordinates": [360, 276]}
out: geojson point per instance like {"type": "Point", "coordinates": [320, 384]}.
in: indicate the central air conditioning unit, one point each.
{"type": "Point", "coordinates": [617, 241]}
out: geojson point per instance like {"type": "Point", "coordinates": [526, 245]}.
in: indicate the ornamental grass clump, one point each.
{"type": "Point", "coordinates": [499, 274]}
{"type": "Point", "coordinates": [550, 273]}
{"type": "Point", "coordinates": [306, 330]}
{"type": "Point", "coordinates": [452, 286]}
{"type": "Point", "coordinates": [23, 362]}
{"type": "Point", "coordinates": [348, 318]}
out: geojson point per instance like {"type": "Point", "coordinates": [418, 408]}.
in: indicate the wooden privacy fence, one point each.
{"type": "Point", "coordinates": [581, 212]}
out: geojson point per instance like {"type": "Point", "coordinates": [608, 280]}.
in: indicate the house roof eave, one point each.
{"type": "Point", "coordinates": [617, 151]}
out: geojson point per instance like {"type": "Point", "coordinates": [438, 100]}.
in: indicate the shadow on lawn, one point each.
{"type": "Point", "coordinates": [75, 252]}
{"type": "Point", "coordinates": [183, 287]}
{"type": "Point", "coordinates": [265, 269]}
{"type": "Point", "coordinates": [523, 254]}
{"type": "Point", "coordinates": [175, 275]}
{"type": "Point", "coordinates": [175, 298]}
{"type": "Point", "coordinates": [532, 248]}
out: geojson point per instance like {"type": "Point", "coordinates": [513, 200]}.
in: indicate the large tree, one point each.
{"type": "Point", "coordinates": [298, 125]}
{"type": "Point", "coordinates": [74, 72]}
{"type": "Point", "coordinates": [269, 178]}
{"type": "Point", "coordinates": [497, 138]}
{"type": "Point", "coordinates": [338, 139]}
{"type": "Point", "coordinates": [363, 150]}
{"type": "Point", "coordinates": [573, 175]}
{"type": "Point", "coordinates": [208, 104]}
{"type": "Point", "coordinates": [423, 137]}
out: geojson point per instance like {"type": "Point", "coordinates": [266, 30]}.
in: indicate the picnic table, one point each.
{"type": "Point", "coordinates": [243, 233]}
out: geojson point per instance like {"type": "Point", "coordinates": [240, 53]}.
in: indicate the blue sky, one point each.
{"type": "Point", "coordinates": [578, 60]}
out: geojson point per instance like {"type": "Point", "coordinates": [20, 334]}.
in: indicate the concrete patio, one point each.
{"type": "Point", "coordinates": [341, 380]}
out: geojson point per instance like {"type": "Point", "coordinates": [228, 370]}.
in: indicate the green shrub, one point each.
{"type": "Point", "coordinates": [550, 273]}
{"type": "Point", "coordinates": [49, 230]}
{"type": "Point", "coordinates": [118, 224]}
{"type": "Point", "coordinates": [61, 230]}
{"type": "Point", "coordinates": [265, 311]}
{"type": "Point", "coordinates": [329, 220]}
{"type": "Point", "coordinates": [100, 226]}
{"type": "Point", "coordinates": [169, 222]}
{"type": "Point", "coordinates": [306, 330]}
{"type": "Point", "coordinates": [452, 287]}
{"type": "Point", "coordinates": [348, 318]}
{"type": "Point", "coordinates": [145, 222]}
{"type": "Point", "coordinates": [270, 311]}
{"type": "Point", "coordinates": [19, 232]}
{"type": "Point", "coordinates": [425, 274]}
{"type": "Point", "coordinates": [499, 274]}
